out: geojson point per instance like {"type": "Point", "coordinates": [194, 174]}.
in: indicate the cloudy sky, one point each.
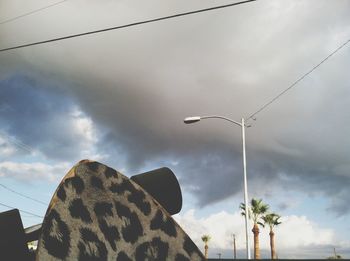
{"type": "Point", "coordinates": [120, 97]}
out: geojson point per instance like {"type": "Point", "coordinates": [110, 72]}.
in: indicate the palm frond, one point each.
{"type": "Point", "coordinates": [261, 224]}
{"type": "Point", "coordinates": [258, 209]}
{"type": "Point", "coordinates": [206, 238]}
{"type": "Point", "coordinates": [272, 219]}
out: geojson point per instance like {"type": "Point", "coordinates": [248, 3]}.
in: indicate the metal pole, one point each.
{"type": "Point", "coordinates": [245, 190]}
{"type": "Point", "coordinates": [242, 125]}
{"type": "Point", "coordinates": [234, 247]}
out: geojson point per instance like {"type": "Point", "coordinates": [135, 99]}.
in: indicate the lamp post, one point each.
{"type": "Point", "coordinates": [194, 119]}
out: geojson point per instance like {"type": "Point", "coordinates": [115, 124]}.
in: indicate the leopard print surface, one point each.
{"type": "Point", "coordinates": [99, 214]}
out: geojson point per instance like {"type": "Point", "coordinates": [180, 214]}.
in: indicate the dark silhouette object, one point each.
{"type": "Point", "coordinates": [13, 245]}
{"type": "Point", "coordinates": [163, 186]}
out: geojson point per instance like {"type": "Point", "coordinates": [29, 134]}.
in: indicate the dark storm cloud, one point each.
{"type": "Point", "coordinates": [139, 84]}
{"type": "Point", "coordinates": [214, 173]}
{"type": "Point", "coordinates": [39, 116]}
{"type": "Point", "coordinates": [291, 173]}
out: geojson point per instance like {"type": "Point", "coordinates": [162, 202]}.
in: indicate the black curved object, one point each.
{"type": "Point", "coordinates": [162, 185]}
{"type": "Point", "coordinates": [13, 245]}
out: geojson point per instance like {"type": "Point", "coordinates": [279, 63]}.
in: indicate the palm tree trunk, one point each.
{"type": "Point", "coordinates": [272, 244]}
{"type": "Point", "coordinates": [255, 230]}
{"type": "Point", "coordinates": [206, 251]}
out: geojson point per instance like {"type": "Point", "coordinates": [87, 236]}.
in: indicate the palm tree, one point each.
{"type": "Point", "coordinates": [205, 239]}
{"type": "Point", "coordinates": [255, 212]}
{"type": "Point", "coordinates": [272, 220]}
{"type": "Point", "coordinates": [336, 256]}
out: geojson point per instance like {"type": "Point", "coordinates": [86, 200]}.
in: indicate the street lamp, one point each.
{"type": "Point", "coordinates": [194, 119]}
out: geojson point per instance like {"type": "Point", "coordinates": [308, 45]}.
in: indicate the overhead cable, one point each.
{"type": "Point", "coordinates": [252, 116]}
{"type": "Point", "coordinates": [22, 195]}
{"type": "Point", "coordinates": [31, 12]}
{"type": "Point", "coordinates": [26, 212]}
{"type": "Point", "coordinates": [17, 143]}
{"type": "Point", "coordinates": [125, 26]}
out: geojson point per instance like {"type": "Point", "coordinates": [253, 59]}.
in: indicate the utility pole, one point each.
{"type": "Point", "coordinates": [234, 246]}
{"type": "Point", "coordinates": [335, 253]}
{"type": "Point", "coordinates": [193, 119]}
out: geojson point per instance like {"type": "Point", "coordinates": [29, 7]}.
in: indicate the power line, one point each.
{"type": "Point", "coordinates": [31, 12]}
{"type": "Point", "coordinates": [297, 81]}
{"type": "Point", "coordinates": [18, 143]}
{"type": "Point", "coordinates": [27, 216]}
{"type": "Point", "coordinates": [26, 212]}
{"type": "Point", "coordinates": [25, 196]}
{"type": "Point", "coordinates": [126, 25]}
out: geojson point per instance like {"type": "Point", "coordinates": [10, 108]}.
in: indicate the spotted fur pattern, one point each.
{"type": "Point", "coordinates": [97, 214]}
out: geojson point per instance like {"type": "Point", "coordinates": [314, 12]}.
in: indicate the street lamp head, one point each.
{"type": "Point", "coordinates": [190, 120]}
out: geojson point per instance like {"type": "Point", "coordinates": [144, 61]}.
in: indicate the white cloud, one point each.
{"type": "Point", "coordinates": [34, 171]}
{"type": "Point", "coordinates": [220, 226]}
{"type": "Point", "coordinates": [299, 231]}
{"type": "Point", "coordinates": [296, 232]}
{"type": "Point", "coordinates": [6, 149]}
{"type": "Point", "coordinates": [85, 128]}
